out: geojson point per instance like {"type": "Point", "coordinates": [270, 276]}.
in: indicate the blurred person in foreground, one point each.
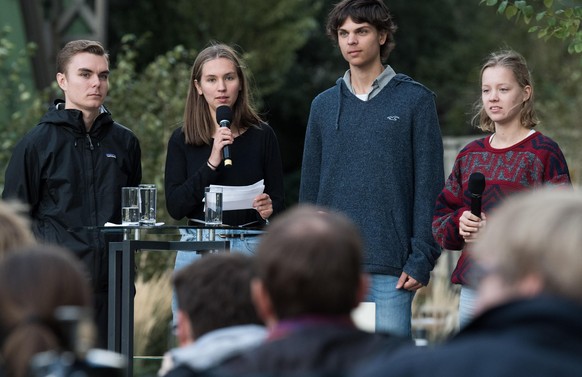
{"type": "Point", "coordinates": [308, 280]}
{"type": "Point", "coordinates": [373, 150]}
{"type": "Point", "coordinates": [46, 323]}
{"type": "Point", "coordinates": [216, 316]}
{"type": "Point", "coordinates": [15, 230]}
{"type": "Point", "coordinates": [70, 168]}
{"type": "Point", "coordinates": [528, 272]}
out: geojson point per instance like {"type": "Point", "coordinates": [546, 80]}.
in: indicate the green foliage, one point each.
{"type": "Point", "coordinates": [268, 32]}
{"type": "Point", "coordinates": [151, 103]}
{"type": "Point", "coordinates": [554, 19]}
{"type": "Point", "coordinates": [19, 106]}
{"type": "Point", "coordinates": [292, 61]}
{"type": "Point", "coordinates": [446, 53]}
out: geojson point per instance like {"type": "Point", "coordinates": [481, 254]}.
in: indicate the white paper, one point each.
{"type": "Point", "coordinates": [108, 224]}
{"type": "Point", "coordinates": [364, 316]}
{"type": "Point", "coordinates": [240, 197]}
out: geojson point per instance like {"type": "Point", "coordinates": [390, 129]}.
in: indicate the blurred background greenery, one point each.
{"type": "Point", "coordinates": [153, 44]}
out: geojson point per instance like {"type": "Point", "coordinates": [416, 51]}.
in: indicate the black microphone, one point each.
{"type": "Point", "coordinates": [224, 117]}
{"type": "Point", "coordinates": [476, 188]}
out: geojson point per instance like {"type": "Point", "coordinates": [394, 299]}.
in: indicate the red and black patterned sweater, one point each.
{"type": "Point", "coordinates": [535, 161]}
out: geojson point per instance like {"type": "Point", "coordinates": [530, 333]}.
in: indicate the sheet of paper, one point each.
{"type": "Point", "coordinates": [108, 224]}
{"type": "Point", "coordinates": [240, 197]}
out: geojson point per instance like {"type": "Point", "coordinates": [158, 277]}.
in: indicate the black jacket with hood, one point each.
{"type": "Point", "coordinates": [72, 178]}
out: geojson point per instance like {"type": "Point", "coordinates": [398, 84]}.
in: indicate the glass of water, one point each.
{"type": "Point", "coordinates": [129, 206]}
{"type": "Point", "coordinates": [147, 197]}
{"type": "Point", "coordinates": [213, 206]}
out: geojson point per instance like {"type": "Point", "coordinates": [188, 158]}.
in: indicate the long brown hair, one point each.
{"type": "Point", "coordinates": [198, 123]}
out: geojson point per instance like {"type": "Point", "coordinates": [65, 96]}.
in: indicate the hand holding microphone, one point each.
{"type": "Point", "coordinates": [224, 118]}
{"type": "Point", "coordinates": [468, 227]}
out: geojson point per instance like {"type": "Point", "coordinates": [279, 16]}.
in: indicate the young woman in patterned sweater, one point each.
{"type": "Point", "coordinates": [513, 158]}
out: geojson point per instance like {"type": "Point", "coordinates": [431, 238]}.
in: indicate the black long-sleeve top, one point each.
{"type": "Point", "coordinates": [255, 155]}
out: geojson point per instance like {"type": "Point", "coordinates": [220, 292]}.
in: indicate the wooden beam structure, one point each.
{"type": "Point", "coordinates": [52, 23]}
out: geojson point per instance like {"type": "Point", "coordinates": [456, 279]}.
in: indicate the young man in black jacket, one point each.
{"type": "Point", "coordinates": [70, 168]}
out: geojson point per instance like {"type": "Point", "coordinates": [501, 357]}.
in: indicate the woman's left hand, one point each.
{"type": "Point", "coordinates": [264, 205]}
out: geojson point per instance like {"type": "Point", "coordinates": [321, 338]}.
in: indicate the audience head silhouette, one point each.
{"type": "Point", "coordinates": [35, 283]}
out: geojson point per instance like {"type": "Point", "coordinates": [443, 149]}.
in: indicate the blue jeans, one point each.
{"type": "Point", "coordinates": [467, 300]}
{"type": "Point", "coordinates": [241, 244]}
{"type": "Point", "coordinates": [393, 306]}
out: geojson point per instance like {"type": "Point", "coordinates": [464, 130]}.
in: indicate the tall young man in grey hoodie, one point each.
{"type": "Point", "coordinates": [373, 150]}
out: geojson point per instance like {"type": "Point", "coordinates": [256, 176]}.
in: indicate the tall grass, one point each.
{"type": "Point", "coordinates": [435, 307]}
{"type": "Point", "coordinates": [153, 314]}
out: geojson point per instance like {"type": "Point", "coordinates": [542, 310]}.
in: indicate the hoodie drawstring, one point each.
{"type": "Point", "coordinates": [339, 106]}
{"type": "Point", "coordinates": [90, 142]}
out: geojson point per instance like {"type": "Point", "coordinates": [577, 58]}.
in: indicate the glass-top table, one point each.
{"type": "Point", "coordinates": [201, 239]}
{"type": "Point", "coordinates": [168, 230]}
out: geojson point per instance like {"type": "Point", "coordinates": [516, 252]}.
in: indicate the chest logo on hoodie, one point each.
{"type": "Point", "coordinates": [110, 155]}
{"type": "Point", "coordinates": [393, 118]}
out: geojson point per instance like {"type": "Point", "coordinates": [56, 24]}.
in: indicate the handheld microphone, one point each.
{"type": "Point", "coordinates": [476, 188]}
{"type": "Point", "coordinates": [224, 117]}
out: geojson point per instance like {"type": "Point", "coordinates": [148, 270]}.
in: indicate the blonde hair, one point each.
{"type": "Point", "coordinates": [15, 231]}
{"type": "Point", "coordinates": [537, 233]}
{"type": "Point", "coordinates": [518, 66]}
